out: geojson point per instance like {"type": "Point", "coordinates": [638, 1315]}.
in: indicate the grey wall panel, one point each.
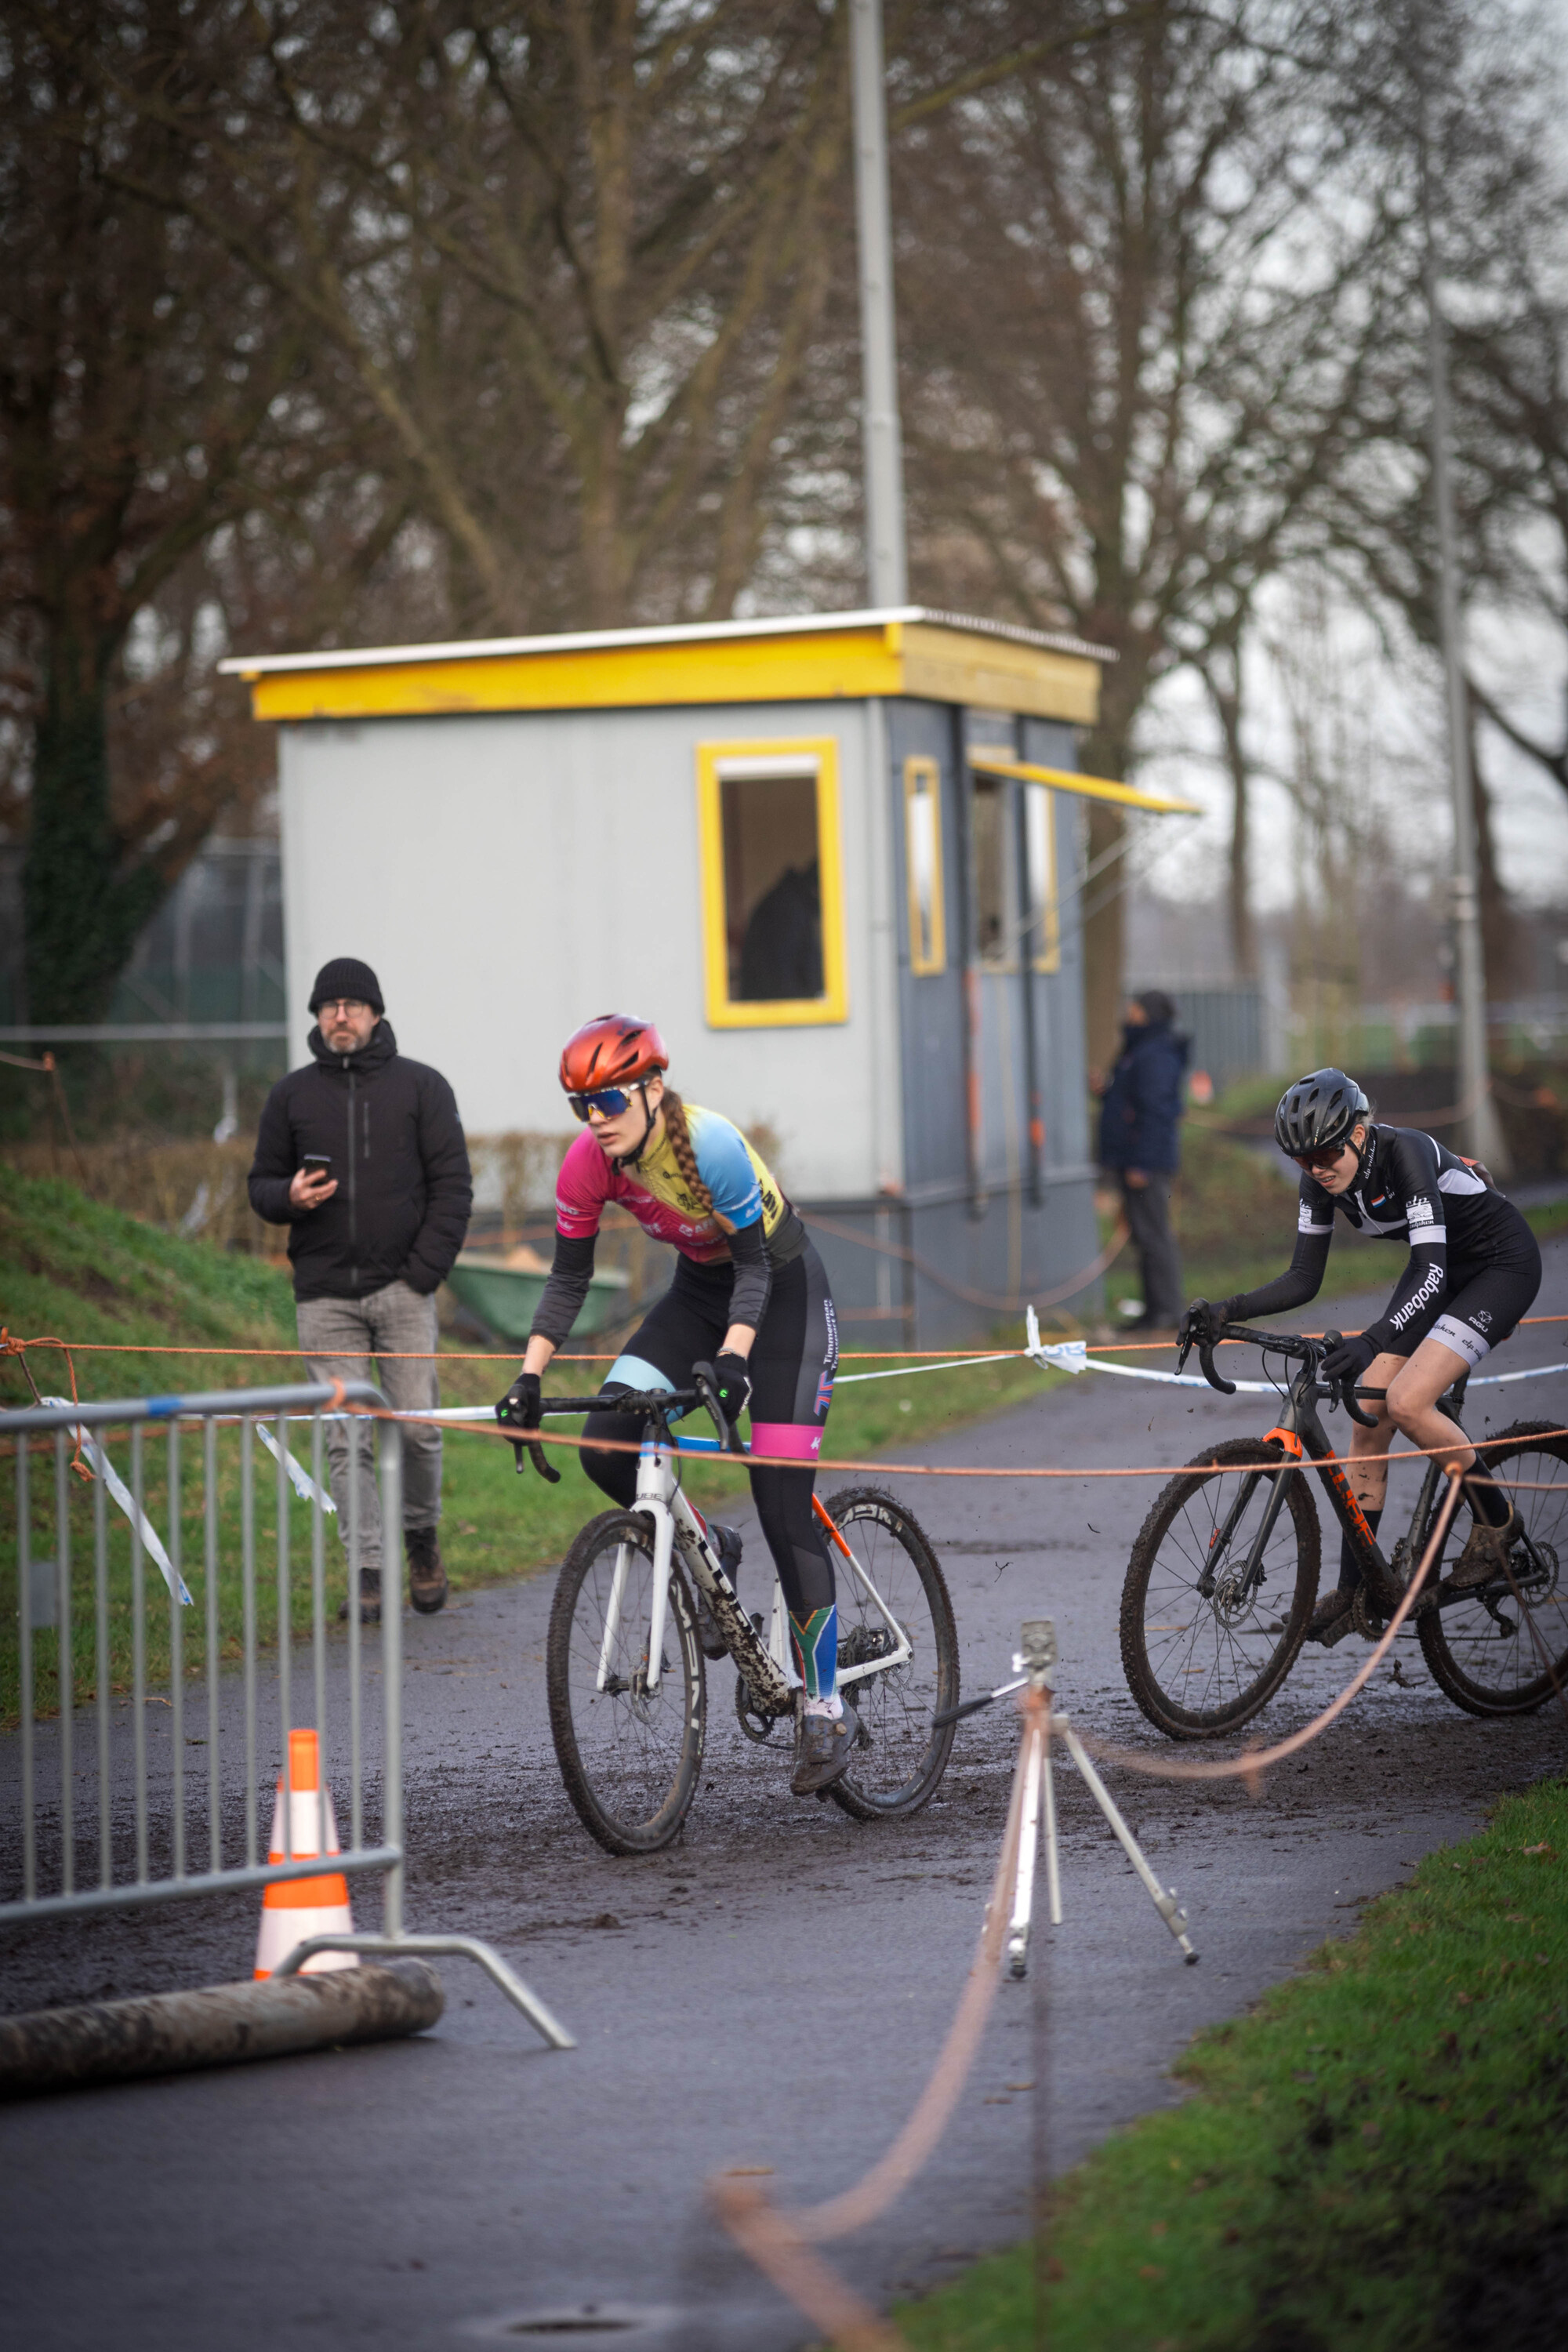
{"type": "Point", "coordinates": [509, 876]}
{"type": "Point", "coordinates": [959, 1253]}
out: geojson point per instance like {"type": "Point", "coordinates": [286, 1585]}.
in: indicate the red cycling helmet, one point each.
{"type": "Point", "coordinates": [613, 1049]}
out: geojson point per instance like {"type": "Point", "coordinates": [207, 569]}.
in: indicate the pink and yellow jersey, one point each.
{"type": "Point", "coordinates": [655, 1191]}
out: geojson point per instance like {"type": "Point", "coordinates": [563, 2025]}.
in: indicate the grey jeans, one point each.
{"type": "Point", "coordinates": [1148, 1207]}
{"type": "Point", "coordinates": [338, 1338]}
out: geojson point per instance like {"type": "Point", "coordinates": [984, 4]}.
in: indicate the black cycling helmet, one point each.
{"type": "Point", "coordinates": [1318, 1111]}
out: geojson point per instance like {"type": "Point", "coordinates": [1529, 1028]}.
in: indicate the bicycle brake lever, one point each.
{"type": "Point", "coordinates": [1342, 1392]}
{"type": "Point", "coordinates": [1215, 1380]}
{"type": "Point", "coordinates": [535, 1453]}
{"type": "Point", "coordinates": [727, 1435]}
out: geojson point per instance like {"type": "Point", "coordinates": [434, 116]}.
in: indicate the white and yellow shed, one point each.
{"type": "Point", "coordinates": [835, 856]}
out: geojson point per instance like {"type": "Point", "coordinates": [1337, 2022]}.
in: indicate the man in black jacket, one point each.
{"type": "Point", "coordinates": [361, 1155]}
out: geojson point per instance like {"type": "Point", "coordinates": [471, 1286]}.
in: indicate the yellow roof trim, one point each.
{"type": "Point", "coordinates": [903, 651]}
{"type": "Point", "coordinates": [1091, 788]}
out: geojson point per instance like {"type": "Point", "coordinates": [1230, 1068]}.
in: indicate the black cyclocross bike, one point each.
{"type": "Point", "coordinates": [1223, 1575]}
{"type": "Point", "coordinates": [624, 1664]}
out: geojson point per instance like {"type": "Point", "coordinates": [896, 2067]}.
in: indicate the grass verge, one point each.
{"type": "Point", "coordinates": [1375, 2160]}
{"type": "Point", "coordinates": [78, 1270]}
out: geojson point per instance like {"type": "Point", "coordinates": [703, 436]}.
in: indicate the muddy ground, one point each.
{"type": "Point", "coordinates": [770, 1992]}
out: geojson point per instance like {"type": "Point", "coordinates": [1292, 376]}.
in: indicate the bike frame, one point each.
{"type": "Point", "coordinates": [1301, 1432]}
{"type": "Point", "coordinates": [767, 1667]}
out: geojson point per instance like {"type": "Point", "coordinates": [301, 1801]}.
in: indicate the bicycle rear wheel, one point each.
{"type": "Point", "coordinates": [899, 1770]}
{"type": "Point", "coordinates": [630, 1757]}
{"type": "Point", "coordinates": [1484, 1652]}
{"type": "Point", "coordinates": [1201, 1656]}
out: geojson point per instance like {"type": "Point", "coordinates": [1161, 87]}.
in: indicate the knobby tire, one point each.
{"type": "Point", "coordinates": [1167, 1559]}
{"type": "Point", "coordinates": [630, 1761]}
{"type": "Point", "coordinates": [901, 1769]}
{"type": "Point", "coordinates": [1470, 1654]}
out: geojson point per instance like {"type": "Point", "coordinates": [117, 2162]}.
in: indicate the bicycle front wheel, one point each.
{"type": "Point", "coordinates": [1203, 1648]}
{"type": "Point", "coordinates": [899, 1769]}
{"type": "Point", "coordinates": [1486, 1652]}
{"type": "Point", "coordinates": [630, 1754]}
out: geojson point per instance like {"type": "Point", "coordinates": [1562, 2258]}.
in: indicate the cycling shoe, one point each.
{"type": "Point", "coordinates": [1331, 1620]}
{"type": "Point", "coordinates": [1485, 1557]}
{"type": "Point", "coordinates": [823, 1754]}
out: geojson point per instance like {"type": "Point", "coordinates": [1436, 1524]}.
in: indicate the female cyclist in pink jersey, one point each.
{"type": "Point", "coordinates": [749, 1302]}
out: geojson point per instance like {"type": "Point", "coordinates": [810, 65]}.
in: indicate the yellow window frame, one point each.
{"type": "Point", "coordinates": [1045, 949]}
{"type": "Point", "coordinates": [790, 752]}
{"type": "Point", "coordinates": [928, 951]}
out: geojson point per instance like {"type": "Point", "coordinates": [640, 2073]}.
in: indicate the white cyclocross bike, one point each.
{"type": "Point", "coordinates": [625, 1668]}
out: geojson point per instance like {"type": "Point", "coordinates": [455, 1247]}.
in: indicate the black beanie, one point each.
{"type": "Point", "coordinates": [346, 976]}
{"type": "Point", "coordinates": [1160, 1008]}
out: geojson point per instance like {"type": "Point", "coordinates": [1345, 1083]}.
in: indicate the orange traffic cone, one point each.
{"type": "Point", "coordinates": [293, 1908]}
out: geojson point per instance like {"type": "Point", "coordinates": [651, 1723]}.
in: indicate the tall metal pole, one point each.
{"type": "Point", "coordinates": [887, 565]}
{"type": "Point", "coordinates": [1479, 1127]}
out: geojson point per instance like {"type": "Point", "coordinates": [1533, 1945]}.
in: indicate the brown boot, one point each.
{"type": "Point", "coordinates": [426, 1570]}
{"type": "Point", "coordinates": [369, 1598]}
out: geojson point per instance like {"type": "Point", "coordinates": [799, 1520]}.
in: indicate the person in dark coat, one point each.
{"type": "Point", "coordinates": [361, 1154]}
{"type": "Point", "coordinates": [1138, 1144]}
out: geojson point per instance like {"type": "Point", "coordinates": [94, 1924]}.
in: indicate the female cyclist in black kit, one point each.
{"type": "Point", "coordinates": [1473, 1272]}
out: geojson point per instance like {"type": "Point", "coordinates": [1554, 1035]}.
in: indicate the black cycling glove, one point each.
{"type": "Point", "coordinates": [731, 1385]}
{"type": "Point", "coordinates": [1347, 1361]}
{"type": "Point", "coordinates": [1204, 1321]}
{"type": "Point", "coordinates": [520, 1409]}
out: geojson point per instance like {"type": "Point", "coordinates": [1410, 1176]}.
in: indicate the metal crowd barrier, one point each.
{"type": "Point", "coordinates": [103, 1858]}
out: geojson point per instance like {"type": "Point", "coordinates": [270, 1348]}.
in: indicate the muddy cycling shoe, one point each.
{"type": "Point", "coordinates": [826, 1743]}
{"type": "Point", "coordinates": [1333, 1617]}
{"type": "Point", "coordinates": [369, 1598]}
{"type": "Point", "coordinates": [426, 1570]}
{"type": "Point", "coordinates": [1485, 1556]}
{"type": "Point", "coordinates": [726, 1542]}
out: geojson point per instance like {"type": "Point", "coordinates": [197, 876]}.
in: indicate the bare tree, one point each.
{"type": "Point", "coordinates": [150, 394]}
{"type": "Point", "coordinates": [1132, 343]}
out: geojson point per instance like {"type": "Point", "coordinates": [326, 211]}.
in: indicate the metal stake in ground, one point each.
{"type": "Point", "coordinates": [1031, 1665]}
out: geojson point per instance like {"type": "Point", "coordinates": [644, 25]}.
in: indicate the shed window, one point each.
{"type": "Point", "coordinates": [995, 924]}
{"type": "Point", "coordinates": [922, 858]}
{"type": "Point", "coordinates": [772, 898]}
{"type": "Point", "coordinates": [1045, 940]}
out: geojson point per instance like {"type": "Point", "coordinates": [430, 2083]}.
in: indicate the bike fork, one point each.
{"type": "Point", "coordinates": [1280, 1479]}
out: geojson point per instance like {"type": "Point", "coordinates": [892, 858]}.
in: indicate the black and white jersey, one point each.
{"type": "Point", "coordinates": [1411, 1188]}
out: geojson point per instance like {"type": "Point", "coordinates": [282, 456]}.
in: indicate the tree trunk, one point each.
{"type": "Point", "coordinates": [81, 912]}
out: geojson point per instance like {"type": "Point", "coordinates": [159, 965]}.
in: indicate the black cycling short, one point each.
{"type": "Point", "coordinates": [1485, 1298]}
{"type": "Point", "coordinates": [791, 1368]}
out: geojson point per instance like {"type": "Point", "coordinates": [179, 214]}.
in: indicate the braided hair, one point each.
{"type": "Point", "coordinates": [680, 1143]}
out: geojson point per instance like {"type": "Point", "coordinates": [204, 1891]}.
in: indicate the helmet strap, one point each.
{"type": "Point", "coordinates": [1364, 1151]}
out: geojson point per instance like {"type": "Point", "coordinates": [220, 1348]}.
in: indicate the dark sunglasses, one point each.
{"type": "Point", "coordinates": [1313, 1161]}
{"type": "Point", "coordinates": [608, 1101]}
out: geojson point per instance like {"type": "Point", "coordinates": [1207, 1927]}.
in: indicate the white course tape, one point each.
{"type": "Point", "coordinates": [304, 1486]}
{"type": "Point", "coordinates": [97, 1460]}
{"type": "Point", "coordinates": [1072, 1356]}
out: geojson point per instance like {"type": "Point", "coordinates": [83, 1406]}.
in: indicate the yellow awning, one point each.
{"type": "Point", "coordinates": [1091, 788]}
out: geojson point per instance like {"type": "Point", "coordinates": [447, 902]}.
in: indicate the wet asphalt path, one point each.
{"type": "Point", "coordinates": [768, 1993]}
